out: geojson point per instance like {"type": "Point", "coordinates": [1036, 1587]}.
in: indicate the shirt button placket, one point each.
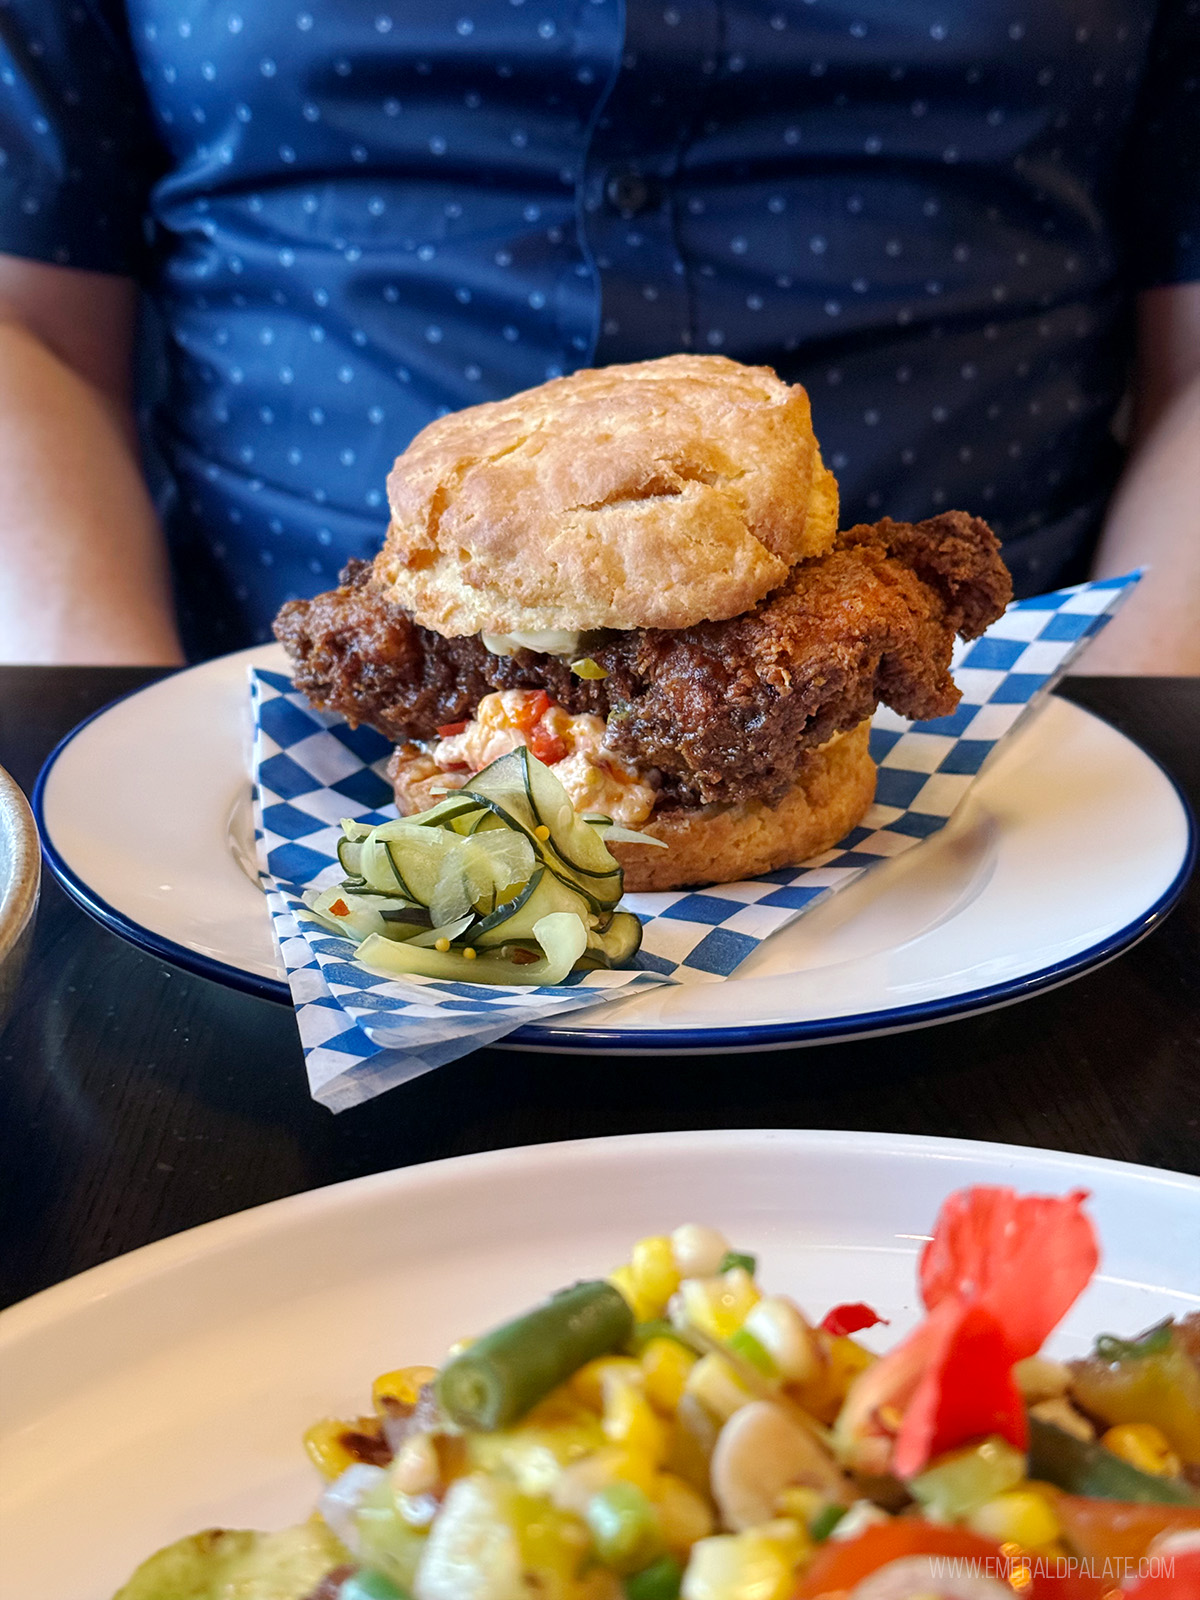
{"type": "Point", "coordinates": [626, 198]}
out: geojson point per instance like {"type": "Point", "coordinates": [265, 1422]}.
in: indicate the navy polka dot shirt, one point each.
{"type": "Point", "coordinates": [355, 215]}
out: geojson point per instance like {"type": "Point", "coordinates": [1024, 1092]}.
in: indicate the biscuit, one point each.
{"type": "Point", "coordinates": [722, 843]}
{"type": "Point", "coordinates": [653, 495]}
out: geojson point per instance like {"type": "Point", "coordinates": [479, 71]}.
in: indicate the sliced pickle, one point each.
{"type": "Point", "coordinates": [619, 942]}
{"type": "Point", "coordinates": [514, 920]}
{"type": "Point", "coordinates": [366, 914]}
{"type": "Point", "coordinates": [561, 936]}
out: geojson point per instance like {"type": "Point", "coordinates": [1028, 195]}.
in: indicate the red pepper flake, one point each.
{"type": "Point", "coordinates": [339, 908]}
{"type": "Point", "coordinates": [451, 728]}
{"type": "Point", "coordinates": [851, 1318]}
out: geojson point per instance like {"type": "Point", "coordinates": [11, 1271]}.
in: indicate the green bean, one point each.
{"type": "Point", "coordinates": [506, 1372]}
{"type": "Point", "coordinates": [660, 1581]}
{"type": "Point", "coordinates": [1081, 1466]}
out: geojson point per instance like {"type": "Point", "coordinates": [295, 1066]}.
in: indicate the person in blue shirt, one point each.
{"type": "Point", "coordinates": [961, 227]}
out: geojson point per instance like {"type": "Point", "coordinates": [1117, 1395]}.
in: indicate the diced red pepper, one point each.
{"type": "Point", "coordinates": [530, 709]}
{"type": "Point", "coordinates": [851, 1318]}
{"type": "Point", "coordinates": [527, 716]}
{"type": "Point", "coordinates": [451, 728]}
{"type": "Point", "coordinates": [546, 746]}
{"type": "Point", "coordinates": [339, 908]}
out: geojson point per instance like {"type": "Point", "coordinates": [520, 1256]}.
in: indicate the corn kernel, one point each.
{"type": "Point", "coordinates": [327, 1452]}
{"type": "Point", "coordinates": [801, 1504]}
{"type": "Point", "coordinates": [1144, 1446]}
{"type": "Point", "coordinates": [717, 1386]}
{"type": "Point", "coordinates": [643, 1310]}
{"type": "Point", "coordinates": [588, 1383]}
{"type": "Point", "coordinates": [630, 1420]}
{"type": "Point", "coordinates": [1020, 1516]}
{"type": "Point", "coordinates": [665, 1368]}
{"type": "Point", "coordinates": [744, 1566]}
{"type": "Point", "coordinates": [719, 1306]}
{"type": "Point", "coordinates": [613, 1463]}
{"type": "Point", "coordinates": [402, 1387]}
{"type": "Point", "coordinates": [684, 1515]}
{"type": "Point", "coordinates": [655, 1275]}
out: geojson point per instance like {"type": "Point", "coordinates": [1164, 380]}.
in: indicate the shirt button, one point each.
{"type": "Point", "coordinates": [627, 192]}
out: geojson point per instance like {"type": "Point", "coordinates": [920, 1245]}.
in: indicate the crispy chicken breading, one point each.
{"type": "Point", "coordinates": [724, 711]}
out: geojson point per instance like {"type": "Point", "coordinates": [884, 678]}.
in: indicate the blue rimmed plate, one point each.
{"type": "Point", "coordinates": [168, 1390]}
{"type": "Point", "coordinates": [1073, 845]}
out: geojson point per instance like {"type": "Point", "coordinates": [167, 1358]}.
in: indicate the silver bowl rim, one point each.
{"type": "Point", "coordinates": [19, 888]}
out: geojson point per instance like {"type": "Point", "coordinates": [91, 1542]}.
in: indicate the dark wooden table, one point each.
{"type": "Point", "coordinates": [136, 1100]}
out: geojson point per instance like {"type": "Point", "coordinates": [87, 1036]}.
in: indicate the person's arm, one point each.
{"type": "Point", "coordinates": [83, 569]}
{"type": "Point", "coordinates": [1154, 519]}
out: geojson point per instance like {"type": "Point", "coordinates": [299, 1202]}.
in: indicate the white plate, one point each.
{"type": "Point", "coordinates": [1072, 845]}
{"type": "Point", "coordinates": [167, 1391]}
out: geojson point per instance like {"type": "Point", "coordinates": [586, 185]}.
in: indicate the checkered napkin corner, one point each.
{"type": "Point", "coordinates": [363, 1033]}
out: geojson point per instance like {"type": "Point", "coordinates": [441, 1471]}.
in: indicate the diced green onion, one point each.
{"type": "Point", "coordinates": [659, 1581]}
{"type": "Point", "coordinates": [365, 1585]}
{"type": "Point", "coordinates": [738, 1258]}
{"type": "Point", "coordinates": [506, 1372]}
{"type": "Point", "coordinates": [825, 1521]}
{"type": "Point", "coordinates": [744, 1344]}
{"type": "Point", "coordinates": [1152, 1343]}
{"type": "Point", "coordinates": [624, 1526]}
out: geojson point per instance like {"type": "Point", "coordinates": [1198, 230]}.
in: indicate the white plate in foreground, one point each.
{"type": "Point", "coordinates": [1039, 877]}
{"type": "Point", "coordinates": [167, 1391]}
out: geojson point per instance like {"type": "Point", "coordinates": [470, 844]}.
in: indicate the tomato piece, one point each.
{"type": "Point", "coordinates": [451, 728]}
{"type": "Point", "coordinates": [1118, 1529]}
{"type": "Point", "coordinates": [339, 908]}
{"type": "Point", "coordinates": [840, 1566]}
{"type": "Point", "coordinates": [966, 1392]}
{"type": "Point", "coordinates": [1068, 1586]}
{"type": "Point", "coordinates": [851, 1318]}
{"type": "Point", "coordinates": [998, 1274]}
{"type": "Point", "coordinates": [1171, 1577]}
{"type": "Point", "coordinates": [1027, 1258]}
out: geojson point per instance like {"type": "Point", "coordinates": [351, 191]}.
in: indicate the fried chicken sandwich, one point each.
{"type": "Point", "coordinates": [638, 573]}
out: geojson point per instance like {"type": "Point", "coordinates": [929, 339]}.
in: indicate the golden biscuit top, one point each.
{"type": "Point", "coordinates": [652, 495]}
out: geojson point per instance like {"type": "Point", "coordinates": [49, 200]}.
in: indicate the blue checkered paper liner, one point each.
{"type": "Point", "coordinates": [363, 1033]}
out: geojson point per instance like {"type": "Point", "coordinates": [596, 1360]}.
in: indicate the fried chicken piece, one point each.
{"type": "Point", "coordinates": [723, 710]}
